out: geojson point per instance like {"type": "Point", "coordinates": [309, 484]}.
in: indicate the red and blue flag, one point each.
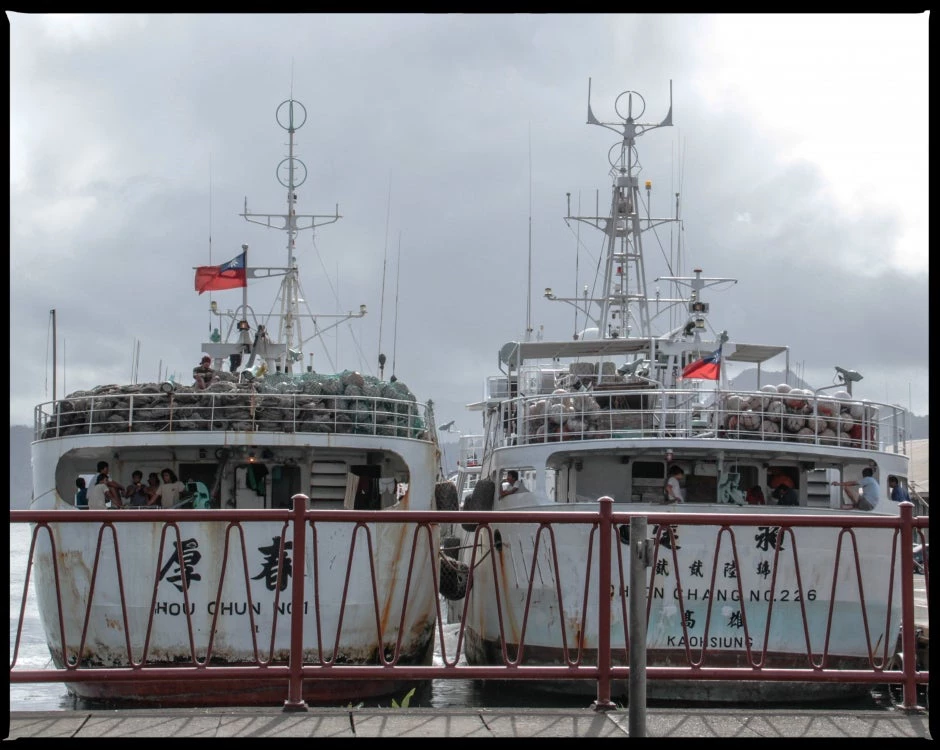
{"type": "Point", "coordinates": [706, 368]}
{"type": "Point", "coordinates": [229, 275]}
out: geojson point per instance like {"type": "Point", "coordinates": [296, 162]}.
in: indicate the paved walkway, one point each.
{"type": "Point", "coordinates": [479, 722]}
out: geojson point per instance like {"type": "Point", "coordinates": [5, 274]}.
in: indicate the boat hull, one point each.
{"type": "Point", "coordinates": [186, 693]}
{"type": "Point", "coordinates": [134, 599]}
{"type": "Point", "coordinates": [732, 598]}
{"type": "Point", "coordinates": [479, 652]}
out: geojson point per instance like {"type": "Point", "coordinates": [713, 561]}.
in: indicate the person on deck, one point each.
{"type": "Point", "coordinates": [98, 496]}
{"type": "Point", "coordinates": [203, 374]}
{"type": "Point", "coordinates": [81, 494]}
{"type": "Point", "coordinates": [786, 495]}
{"type": "Point", "coordinates": [136, 493]}
{"type": "Point", "coordinates": [114, 491]}
{"type": "Point", "coordinates": [170, 491]}
{"type": "Point", "coordinates": [512, 484]}
{"type": "Point", "coordinates": [866, 496]}
{"type": "Point", "coordinates": [755, 496]}
{"type": "Point", "coordinates": [898, 492]}
{"type": "Point", "coordinates": [673, 490]}
{"type": "Point", "coordinates": [153, 490]}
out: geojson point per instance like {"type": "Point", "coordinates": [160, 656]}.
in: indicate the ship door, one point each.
{"type": "Point", "coordinates": [251, 486]}
{"type": "Point", "coordinates": [285, 483]}
{"type": "Point", "coordinates": [204, 473]}
{"type": "Point", "coordinates": [367, 495]}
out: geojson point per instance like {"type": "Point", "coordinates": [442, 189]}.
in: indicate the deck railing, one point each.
{"type": "Point", "coordinates": [669, 413]}
{"type": "Point", "coordinates": [904, 530]}
{"type": "Point", "coordinates": [232, 411]}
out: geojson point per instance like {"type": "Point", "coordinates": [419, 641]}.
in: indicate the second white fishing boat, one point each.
{"type": "Point", "coordinates": [640, 397]}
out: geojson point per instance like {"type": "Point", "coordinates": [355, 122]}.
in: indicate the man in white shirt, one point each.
{"type": "Point", "coordinates": [673, 490]}
{"type": "Point", "coordinates": [98, 494]}
{"type": "Point", "coordinates": [512, 484]}
{"type": "Point", "coordinates": [867, 495]}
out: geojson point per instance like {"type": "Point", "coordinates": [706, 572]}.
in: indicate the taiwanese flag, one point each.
{"type": "Point", "coordinates": [706, 368]}
{"type": "Point", "coordinates": [229, 275]}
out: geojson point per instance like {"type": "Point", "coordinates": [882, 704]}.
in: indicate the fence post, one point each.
{"type": "Point", "coordinates": [639, 560]}
{"type": "Point", "coordinates": [908, 639]}
{"type": "Point", "coordinates": [605, 529]}
{"type": "Point", "coordinates": [295, 695]}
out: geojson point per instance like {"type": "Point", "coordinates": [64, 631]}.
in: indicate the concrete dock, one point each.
{"type": "Point", "coordinates": [471, 722]}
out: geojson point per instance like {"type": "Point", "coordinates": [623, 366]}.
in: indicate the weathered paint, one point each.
{"type": "Point", "coordinates": [553, 624]}
{"type": "Point", "coordinates": [139, 612]}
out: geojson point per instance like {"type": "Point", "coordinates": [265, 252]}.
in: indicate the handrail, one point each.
{"type": "Point", "coordinates": [220, 411]}
{"type": "Point", "coordinates": [630, 413]}
{"type": "Point", "coordinates": [605, 522]}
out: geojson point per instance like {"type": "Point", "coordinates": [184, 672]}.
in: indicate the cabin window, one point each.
{"type": "Point", "coordinates": [701, 488]}
{"type": "Point", "coordinates": [647, 482]}
{"type": "Point", "coordinates": [285, 483]}
{"type": "Point", "coordinates": [748, 476]}
{"type": "Point", "coordinates": [362, 487]}
{"type": "Point", "coordinates": [649, 470]}
{"type": "Point", "coordinates": [786, 474]}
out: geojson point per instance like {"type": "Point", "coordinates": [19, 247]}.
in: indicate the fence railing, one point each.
{"type": "Point", "coordinates": [905, 530]}
{"type": "Point", "coordinates": [221, 411]}
{"type": "Point", "coordinates": [800, 417]}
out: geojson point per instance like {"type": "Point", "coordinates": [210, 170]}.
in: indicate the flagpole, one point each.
{"type": "Point", "coordinates": [54, 364]}
{"type": "Point", "coordinates": [245, 288]}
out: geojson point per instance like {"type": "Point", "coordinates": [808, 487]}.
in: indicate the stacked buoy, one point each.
{"type": "Point", "coordinates": [783, 412]}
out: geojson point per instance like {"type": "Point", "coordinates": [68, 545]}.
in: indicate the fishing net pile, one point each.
{"type": "Point", "coordinates": [776, 412]}
{"type": "Point", "coordinates": [344, 403]}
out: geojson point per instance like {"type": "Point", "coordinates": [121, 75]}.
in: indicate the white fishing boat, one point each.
{"type": "Point", "coordinates": [642, 392]}
{"type": "Point", "coordinates": [453, 574]}
{"type": "Point", "coordinates": [264, 429]}
{"type": "Point", "coordinates": [469, 461]}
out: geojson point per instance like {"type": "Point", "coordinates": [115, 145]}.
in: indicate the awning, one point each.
{"type": "Point", "coordinates": [570, 349]}
{"type": "Point", "coordinates": [733, 352]}
{"type": "Point", "coordinates": [753, 353]}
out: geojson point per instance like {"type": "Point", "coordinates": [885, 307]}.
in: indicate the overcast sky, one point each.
{"type": "Point", "coordinates": [799, 148]}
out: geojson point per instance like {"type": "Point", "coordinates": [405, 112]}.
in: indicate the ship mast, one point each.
{"type": "Point", "coordinates": [622, 310]}
{"type": "Point", "coordinates": [291, 173]}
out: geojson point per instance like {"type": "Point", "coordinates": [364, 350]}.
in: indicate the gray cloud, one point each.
{"type": "Point", "coordinates": [135, 141]}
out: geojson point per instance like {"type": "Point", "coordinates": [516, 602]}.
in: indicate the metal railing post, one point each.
{"type": "Point", "coordinates": [295, 696]}
{"type": "Point", "coordinates": [908, 639]}
{"type": "Point", "coordinates": [605, 528]}
{"type": "Point", "coordinates": [639, 561]}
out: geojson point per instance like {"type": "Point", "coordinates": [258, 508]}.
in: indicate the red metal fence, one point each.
{"type": "Point", "coordinates": [906, 530]}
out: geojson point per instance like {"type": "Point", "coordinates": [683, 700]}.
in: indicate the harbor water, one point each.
{"type": "Point", "coordinates": [34, 654]}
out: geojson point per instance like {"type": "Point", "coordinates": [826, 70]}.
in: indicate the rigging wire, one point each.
{"type": "Point", "coordinates": [397, 277]}
{"type": "Point", "coordinates": [597, 271]}
{"type": "Point", "coordinates": [388, 211]}
{"type": "Point", "coordinates": [528, 312]}
{"type": "Point", "coordinates": [210, 239]}
{"type": "Point", "coordinates": [580, 245]}
{"type": "Point", "coordinates": [577, 262]}
{"type": "Point", "coordinates": [48, 345]}
{"type": "Point", "coordinates": [317, 333]}
{"type": "Point", "coordinates": [329, 281]}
